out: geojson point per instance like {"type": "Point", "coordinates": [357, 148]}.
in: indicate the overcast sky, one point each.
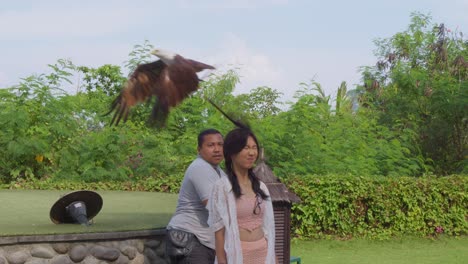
{"type": "Point", "coordinates": [275, 43]}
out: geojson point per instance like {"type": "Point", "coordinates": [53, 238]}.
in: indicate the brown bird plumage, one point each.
{"type": "Point", "coordinates": [170, 79]}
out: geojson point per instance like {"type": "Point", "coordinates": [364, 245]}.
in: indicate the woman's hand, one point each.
{"type": "Point", "coordinates": [219, 246]}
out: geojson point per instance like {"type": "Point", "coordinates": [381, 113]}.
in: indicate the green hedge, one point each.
{"type": "Point", "coordinates": [167, 184]}
{"type": "Point", "coordinates": [379, 207]}
{"type": "Point", "coordinates": [341, 206]}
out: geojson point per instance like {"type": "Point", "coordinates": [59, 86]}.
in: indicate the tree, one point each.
{"type": "Point", "coordinates": [419, 87]}
{"type": "Point", "coordinates": [343, 102]}
{"type": "Point", "coordinates": [261, 102]}
{"type": "Point", "coordinates": [106, 80]}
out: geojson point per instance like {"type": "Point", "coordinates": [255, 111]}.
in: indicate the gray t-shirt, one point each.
{"type": "Point", "coordinates": [191, 215]}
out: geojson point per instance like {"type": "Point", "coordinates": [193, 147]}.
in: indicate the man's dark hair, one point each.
{"type": "Point", "coordinates": [209, 131]}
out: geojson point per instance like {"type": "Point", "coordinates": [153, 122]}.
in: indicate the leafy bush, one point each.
{"type": "Point", "coordinates": [169, 184]}
{"type": "Point", "coordinates": [33, 124]}
{"type": "Point", "coordinates": [96, 156]}
{"type": "Point", "coordinates": [379, 207]}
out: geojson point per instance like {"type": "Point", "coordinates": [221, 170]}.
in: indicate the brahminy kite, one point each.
{"type": "Point", "coordinates": [170, 79]}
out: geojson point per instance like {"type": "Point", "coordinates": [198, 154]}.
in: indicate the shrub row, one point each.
{"type": "Point", "coordinates": [168, 184]}
{"type": "Point", "coordinates": [379, 207]}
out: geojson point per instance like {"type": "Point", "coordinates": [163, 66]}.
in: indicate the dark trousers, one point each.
{"type": "Point", "coordinates": [200, 254]}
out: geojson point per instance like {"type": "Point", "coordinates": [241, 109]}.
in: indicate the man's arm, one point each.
{"type": "Point", "coordinates": [203, 181]}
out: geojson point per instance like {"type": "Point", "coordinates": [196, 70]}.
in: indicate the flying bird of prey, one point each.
{"type": "Point", "coordinates": [170, 79]}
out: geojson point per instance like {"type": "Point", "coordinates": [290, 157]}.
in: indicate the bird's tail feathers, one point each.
{"type": "Point", "coordinates": [159, 114]}
{"type": "Point", "coordinates": [113, 105]}
{"type": "Point", "coordinates": [120, 111]}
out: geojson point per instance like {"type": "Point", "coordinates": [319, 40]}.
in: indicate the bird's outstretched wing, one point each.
{"type": "Point", "coordinates": [199, 66]}
{"type": "Point", "coordinates": [143, 83]}
{"type": "Point", "coordinates": [170, 84]}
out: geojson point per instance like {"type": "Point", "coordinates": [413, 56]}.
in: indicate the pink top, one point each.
{"type": "Point", "coordinates": [246, 219]}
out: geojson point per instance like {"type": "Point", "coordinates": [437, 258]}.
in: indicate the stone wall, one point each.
{"type": "Point", "coordinates": [120, 248]}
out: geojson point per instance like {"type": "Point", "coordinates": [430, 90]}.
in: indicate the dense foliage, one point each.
{"type": "Point", "coordinates": [379, 207]}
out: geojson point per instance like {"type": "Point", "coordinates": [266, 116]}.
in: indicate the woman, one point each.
{"type": "Point", "coordinates": [241, 212]}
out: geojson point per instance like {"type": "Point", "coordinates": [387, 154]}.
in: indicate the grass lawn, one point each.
{"type": "Point", "coordinates": [26, 212]}
{"type": "Point", "coordinates": [396, 251]}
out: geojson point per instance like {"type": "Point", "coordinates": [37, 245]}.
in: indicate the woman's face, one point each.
{"type": "Point", "coordinates": [246, 158]}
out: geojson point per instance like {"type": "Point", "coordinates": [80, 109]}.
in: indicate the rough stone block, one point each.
{"type": "Point", "coordinates": [61, 259]}
{"type": "Point", "coordinates": [129, 251]}
{"type": "Point", "coordinates": [43, 251]}
{"type": "Point", "coordinates": [18, 257]}
{"type": "Point", "coordinates": [105, 253]}
{"type": "Point", "coordinates": [78, 253]}
{"type": "Point", "coordinates": [61, 248]}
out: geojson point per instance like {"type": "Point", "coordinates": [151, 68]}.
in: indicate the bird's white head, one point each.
{"type": "Point", "coordinates": [165, 55]}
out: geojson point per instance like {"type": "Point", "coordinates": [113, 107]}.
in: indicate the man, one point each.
{"type": "Point", "coordinates": [190, 239]}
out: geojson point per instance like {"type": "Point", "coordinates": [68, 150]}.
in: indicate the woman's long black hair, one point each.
{"type": "Point", "coordinates": [234, 142]}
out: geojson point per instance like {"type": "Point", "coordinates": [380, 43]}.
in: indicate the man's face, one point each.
{"type": "Point", "coordinates": [212, 148]}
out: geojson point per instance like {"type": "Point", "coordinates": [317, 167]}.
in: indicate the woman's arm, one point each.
{"type": "Point", "coordinates": [219, 246]}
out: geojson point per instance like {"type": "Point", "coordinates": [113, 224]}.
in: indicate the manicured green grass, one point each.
{"type": "Point", "coordinates": [26, 212]}
{"type": "Point", "coordinates": [395, 251]}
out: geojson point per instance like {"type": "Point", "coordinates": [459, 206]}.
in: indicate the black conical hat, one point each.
{"type": "Point", "coordinates": [92, 200]}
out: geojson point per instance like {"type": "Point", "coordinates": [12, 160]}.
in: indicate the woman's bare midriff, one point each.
{"type": "Point", "coordinates": [250, 236]}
